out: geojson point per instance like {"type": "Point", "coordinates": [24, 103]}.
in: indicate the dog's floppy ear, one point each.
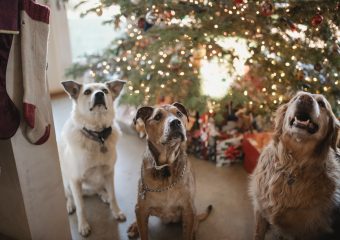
{"type": "Point", "coordinates": [279, 118]}
{"type": "Point", "coordinates": [72, 88]}
{"type": "Point", "coordinates": [143, 113]}
{"type": "Point", "coordinates": [181, 108]}
{"type": "Point", "coordinates": [115, 86]}
{"type": "Point", "coordinates": [334, 128]}
{"type": "Point", "coordinates": [331, 138]}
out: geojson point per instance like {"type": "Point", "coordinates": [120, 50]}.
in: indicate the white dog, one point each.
{"type": "Point", "coordinates": [88, 147]}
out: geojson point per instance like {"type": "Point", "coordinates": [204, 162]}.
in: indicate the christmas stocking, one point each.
{"type": "Point", "coordinates": [9, 114]}
{"type": "Point", "coordinates": [34, 34]}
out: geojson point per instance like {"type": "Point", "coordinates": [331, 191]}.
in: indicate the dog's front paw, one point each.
{"type": "Point", "coordinates": [133, 231]}
{"type": "Point", "coordinates": [104, 197]}
{"type": "Point", "coordinates": [70, 207]}
{"type": "Point", "coordinates": [84, 229]}
{"type": "Point", "coordinates": [119, 217]}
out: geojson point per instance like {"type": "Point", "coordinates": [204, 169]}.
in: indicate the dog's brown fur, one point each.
{"type": "Point", "coordinates": [175, 204]}
{"type": "Point", "coordinates": [296, 185]}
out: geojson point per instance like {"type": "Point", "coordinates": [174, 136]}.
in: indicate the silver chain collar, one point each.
{"type": "Point", "coordinates": [146, 189]}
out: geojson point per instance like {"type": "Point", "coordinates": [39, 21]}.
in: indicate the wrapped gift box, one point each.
{"type": "Point", "coordinates": [229, 150]}
{"type": "Point", "coordinates": [252, 146]}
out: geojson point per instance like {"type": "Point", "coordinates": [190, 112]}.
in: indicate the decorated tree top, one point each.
{"type": "Point", "coordinates": [291, 46]}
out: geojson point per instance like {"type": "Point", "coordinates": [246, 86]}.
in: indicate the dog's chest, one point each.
{"type": "Point", "coordinates": [87, 157]}
{"type": "Point", "coordinates": [293, 188]}
{"type": "Point", "coordinates": [287, 196]}
{"type": "Point", "coordinates": [167, 206]}
{"type": "Point", "coordinates": [95, 176]}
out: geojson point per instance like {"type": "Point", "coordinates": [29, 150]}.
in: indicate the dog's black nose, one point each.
{"type": "Point", "coordinates": [99, 95]}
{"type": "Point", "coordinates": [175, 123]}
{"type": "Point", "coordinates": [305, 99]}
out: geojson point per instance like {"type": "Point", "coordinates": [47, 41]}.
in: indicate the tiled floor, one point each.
{"type": "Point", "coordinates": [225, 188]}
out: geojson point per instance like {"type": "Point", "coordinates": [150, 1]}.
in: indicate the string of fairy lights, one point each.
{"type": "Point", "coordinates": [165, 43]}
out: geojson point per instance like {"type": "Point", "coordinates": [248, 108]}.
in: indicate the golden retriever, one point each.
{"type": "Point", "coordinates": [295, 187]}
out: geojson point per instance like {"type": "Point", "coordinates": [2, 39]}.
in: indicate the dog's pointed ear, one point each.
{"type": "Point", "coordinates": [72, 88]}
{"type": "Point", "coordinates": [143, 113]}
{"type": "Point", "coordinates": [183, 110]}
{"type": "Point", "coordinates": [115, 86]}
{"type": "Point", "coordinates": [279, 118]}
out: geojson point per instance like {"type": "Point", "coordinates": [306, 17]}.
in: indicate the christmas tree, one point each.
{"type": "Point", "coordinates": [290, 46]}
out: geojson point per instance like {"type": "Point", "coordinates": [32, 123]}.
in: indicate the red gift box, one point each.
{"type": "Point", "coordinates": [252, 146]}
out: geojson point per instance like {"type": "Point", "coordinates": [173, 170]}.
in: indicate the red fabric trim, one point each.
{"type": "Point", "coordinates": [9, 15]}
{"type": "Point", "coordinates": [36, 11]}
{"type": "Point", "coordinates": [45, 137]}
{"type": "Point", "coordinates": [29, 114]}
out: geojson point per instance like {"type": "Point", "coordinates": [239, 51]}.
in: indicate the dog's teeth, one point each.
{"type": "Point", "coordinates": [302, 122]}
{"type": "Point", "coordinates": [305, 122]}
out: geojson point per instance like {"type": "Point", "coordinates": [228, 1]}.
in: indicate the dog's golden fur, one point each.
{"type": "Point", "coordinates": [296, 185]}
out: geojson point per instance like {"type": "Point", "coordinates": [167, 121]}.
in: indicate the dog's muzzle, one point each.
{"type": "Point", "coordinates": [302, 118]}
{"type": "Point", "coordinates": [99, 100]}
{"type": "Point", "coordinates": [176, 130]}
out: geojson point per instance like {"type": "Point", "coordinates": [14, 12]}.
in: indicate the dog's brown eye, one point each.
{"type": "Point", "coordinates": [179, 114]}
{"type": "Point", "coordinates": [321, 103]}
{"type": "Point", "coordinates": [158, 117]}
{"type": "Point", "coordinates": [105, 91]}
{"type": "Point", "coordinates": [87, 92]}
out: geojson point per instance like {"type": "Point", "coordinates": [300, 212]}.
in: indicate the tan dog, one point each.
{"type": "Point", "coordinates": [296, 185]}
{"type": "Point", "coordinates": [167, 184]}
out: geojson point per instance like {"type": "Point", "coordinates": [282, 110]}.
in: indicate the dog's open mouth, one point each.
{"type": "Point", "coordinates": [176, 135]}
{"type": "Point", "coordinates": [303, 121]}
{"type": "Point", "coordinates": [98, 103]}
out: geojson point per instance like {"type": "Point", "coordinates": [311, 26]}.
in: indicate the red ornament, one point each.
{"type": "Point", "coordinates": [141, 23]}
{"type": "Point", "coordinates": [267, 8]}
{"type": "Point", "coordinates": [317, 20]}
{"type": "Point", "coordinates": [238, 2]}
{"type": "Point", "coordinates": [292, 27]}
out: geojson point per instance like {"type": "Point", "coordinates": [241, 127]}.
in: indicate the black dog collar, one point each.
{"type": "Point", "coordinates": [99, 137]}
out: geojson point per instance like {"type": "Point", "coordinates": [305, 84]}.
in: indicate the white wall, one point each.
{"type": "Point", "coordinates": [59, 48]}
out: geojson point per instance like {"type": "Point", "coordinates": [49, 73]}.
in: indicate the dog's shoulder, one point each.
{"type": "Point", "coordinates": [263, 174]}
{"type": "Point", "coordinates": [70, 131]}
{"type": "Point", "coordinates": [266, 159]}
{"type": "Point", "coordinates": [332, 169]}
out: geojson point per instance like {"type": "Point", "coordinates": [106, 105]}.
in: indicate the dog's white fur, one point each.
{"type": "Point", "coordinates": [85, 169]}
